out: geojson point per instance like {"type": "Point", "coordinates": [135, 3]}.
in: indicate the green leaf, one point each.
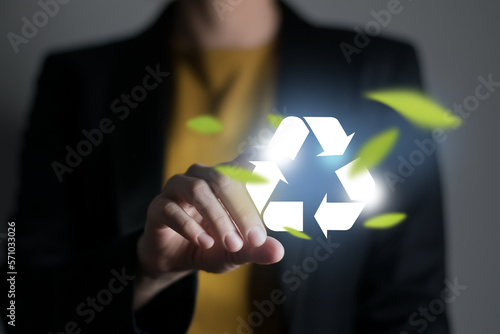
{"type": "Point", "coordinates": [206, 125]}
{"type": "Point", "coordinates": [416, 107]}
{"type": "Point", "coordinates": [385, 221]}
{"type": "Point", "coordinates": [296, 233]}
{"type": "Point", "coordinates": [275, 119]}
{"type": "Point", "coordinates": [240, 174]}
{"type": "Point", "coordinates": [375, 150]}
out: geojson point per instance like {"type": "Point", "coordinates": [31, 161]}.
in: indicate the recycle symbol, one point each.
{"type": "Point", "coordinates": [286, 143]}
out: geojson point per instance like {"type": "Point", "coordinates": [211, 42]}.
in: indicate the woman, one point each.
{"type": "Point", "coordinates": [109, 249]}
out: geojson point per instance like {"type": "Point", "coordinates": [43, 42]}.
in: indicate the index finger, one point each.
{"type": "Point", "coordinates": [237, 202]}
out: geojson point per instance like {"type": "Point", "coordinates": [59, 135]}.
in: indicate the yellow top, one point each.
{"type": "Point", "coordinates": [236, 87]}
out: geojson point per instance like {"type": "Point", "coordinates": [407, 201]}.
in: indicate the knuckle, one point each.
{"type": "Point", "coordinates": [152, 205]}
{"type": "Point", "coordinates": [201, 203]}
{"type": "Point", "coordinates": [219, 181]}
{"type": "Point", "coordinates": [199, 187]}
{"type": "Point", "coordinates": [201, 194]}
{"type": "Point", "coordinates": [174, 178]}
{"type": "Point", "coordinates": [245, 214]}
{"type": "Point", "coordinates": [221, 221]}
{"type": "Point", "coordinates": [179, 222]}
{"type": "Point", "coordinates": [172, 183]}
{"type": "Point", "coordinates": [169, 209]}
{"type": "Point", "coordinates": [194, 168]}
{"type": "Point", "coordinates": [185, 227]}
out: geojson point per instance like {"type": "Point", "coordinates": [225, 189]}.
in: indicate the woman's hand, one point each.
{"type": "Point", "coordinates": [201, 220]}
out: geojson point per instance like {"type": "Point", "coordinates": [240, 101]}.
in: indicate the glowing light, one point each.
{"type": "Point", "coordinates": [360, 187]}
{"type": "Point", "coordinates": [288, 138]}
{"type": "Point", "coordinates": [279, 213]}
{"type": "Point", "coordinates": [261, 192]}
{"type": "Point", "coordinates": [286, 143]}
{"type": "Point", "coordinates": [337, 216]}
{"type": "Point", "coordinates": [330, 135]}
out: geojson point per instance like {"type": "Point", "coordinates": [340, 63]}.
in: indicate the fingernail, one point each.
{"type": "Point", "coordinates": [233, 241]}
{"type": "Point", "coordinates": [205, 240]}
{"type": "Point", "coordinates": [256, 236]}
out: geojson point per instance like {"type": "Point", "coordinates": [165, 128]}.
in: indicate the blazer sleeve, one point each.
{"type": "Point", "coordinates": [60, 288]}
{"type": "Point", "coordinates": [404, 275]}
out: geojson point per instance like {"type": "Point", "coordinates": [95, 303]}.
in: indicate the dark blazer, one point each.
{"type": "Point", "coordinates": [77, 238]}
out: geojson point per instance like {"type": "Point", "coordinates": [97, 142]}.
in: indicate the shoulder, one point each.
{"type": "Point", "coordinates": [143, 45]}
{"type": "Point", "coordinates": [356, 45]}
{"type": "Point", "coordinates": [359, 38]}
{"type": "Point", "coordinates": [85, 60]}
{"type": "Point", "coordinates": [373, 58]}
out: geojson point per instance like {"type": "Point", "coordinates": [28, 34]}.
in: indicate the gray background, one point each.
{"type": "Point", "coordinates": [457, 41]}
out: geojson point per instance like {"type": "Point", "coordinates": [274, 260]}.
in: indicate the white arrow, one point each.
{"type": "Point", "coordinates": [280, 214]}
{"type": "Point", "coordinates": [330, 135]}
{"type": "Point", "coordinates": [261, 192]}
{"type": "Point", "coordinates": [337, 216]}
{"type": "Point", "coordinates": [288, 138]}
{"type": "Point", "coordinates": [360, 187]}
